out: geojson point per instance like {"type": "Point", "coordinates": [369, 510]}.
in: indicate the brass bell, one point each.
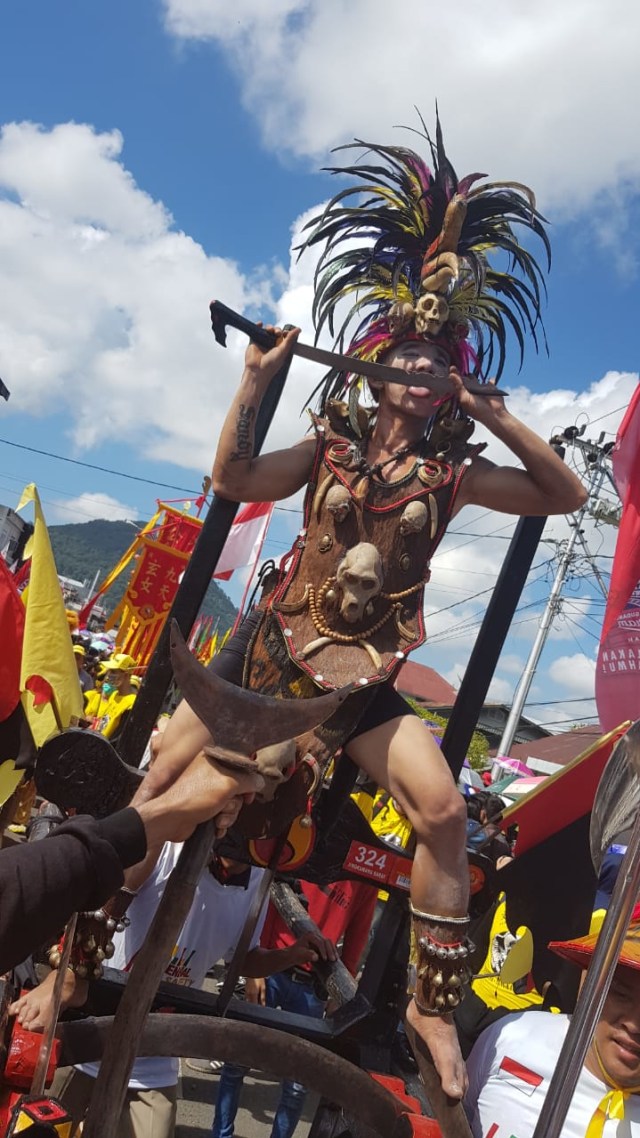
{"type": "Point", "coordinates": [82, 971]}
{"type": "Point", "coordinates": [438, 981]}
{"type": "Point", "coordinates": [89, 945]}
{"type": "Point", "coordinates": [454, 981]}
{"type": "Point", "coordinates": [440, 1003]}
{"type": "Point", "coordinates": [109, 949]}
{"type": "Point", "coordinates": [54, 958]}
{"type": "Point", "coordinates": [453, 999]}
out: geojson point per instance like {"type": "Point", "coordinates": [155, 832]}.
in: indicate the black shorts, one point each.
{"type": "Point", "coordinates": [386, 704]}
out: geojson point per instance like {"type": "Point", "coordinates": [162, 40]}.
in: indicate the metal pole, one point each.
{"type": "Point", "coordinates": [551, 609]}
{"type": "Point", "coordinates": [194, 584]}
{"type": "Point", "coordinates": [593, 993]}
{"type": "Point", "coordinates": [491, 637]}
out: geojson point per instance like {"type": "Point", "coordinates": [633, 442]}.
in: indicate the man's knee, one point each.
{"type": "Point", "coordinates": [441, 817]}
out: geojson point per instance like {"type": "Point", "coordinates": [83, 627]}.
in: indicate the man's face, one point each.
{"type": "Point", "coordinates": [618, 1033]}
{"type": "Point", "coordinates": [430, 364]}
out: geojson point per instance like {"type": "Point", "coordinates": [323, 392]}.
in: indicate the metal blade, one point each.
{"type": "Point", "coordinates": [617, 801]}
{"type": "Point", "coordinates": [239, 719]}
{"type": "Point", "coordinates": [221, 316]}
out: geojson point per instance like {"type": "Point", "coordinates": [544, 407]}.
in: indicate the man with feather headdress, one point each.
{"type": "Point", "coordinates": [383, 482]}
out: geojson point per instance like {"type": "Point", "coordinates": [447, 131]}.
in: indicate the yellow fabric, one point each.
{"type": "Point", "coordinates": [94, 703]}
{"type": "Point", "coordinates": [612, 1105]}
{"type": "Point", "coordinates": [112, 711]}
{"type": "Point", "coordinates": [489, 986]}
{"type": "Point", "coordinates": [47, 649]}
{"type": "Point", "coordinates": [385, 821]}
{"type": "Point", "coordinates": [10, 780]}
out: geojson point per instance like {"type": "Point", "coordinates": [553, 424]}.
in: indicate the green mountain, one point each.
{"type": "Point", "coordinates": [87, 548]}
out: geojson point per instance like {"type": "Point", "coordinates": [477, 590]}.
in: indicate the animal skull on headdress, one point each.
{"type": "Point", "coordinates": [400, 317]}
{"type": "Point", "coordinates": [432, 313]}
{"type": "Point", "coordinates": [338, 503]}
{"type": "Point", "coordinates": [414, 518]}
{"type": "Point", "coordinates": [359, 576]}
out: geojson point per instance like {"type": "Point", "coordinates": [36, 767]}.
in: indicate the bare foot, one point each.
{"type": "Point", "coordinates": [440, 1035]}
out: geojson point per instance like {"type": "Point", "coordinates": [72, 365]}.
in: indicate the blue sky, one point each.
{"type": "Point", "coordinates": [155, 155]}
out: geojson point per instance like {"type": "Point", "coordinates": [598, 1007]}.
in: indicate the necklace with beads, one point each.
{"type": "Point", "coordinates": [374, 470]}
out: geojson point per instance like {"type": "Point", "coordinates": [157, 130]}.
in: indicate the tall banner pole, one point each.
{"type": "Point", "coordinates": [185, 608]}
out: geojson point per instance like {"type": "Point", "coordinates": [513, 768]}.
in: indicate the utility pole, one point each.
{"type": "Point", "coordinates": [596, 458]}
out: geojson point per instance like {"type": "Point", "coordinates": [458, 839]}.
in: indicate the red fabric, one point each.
{"type": "Point", "coordinates": [342, 909]}
{"type": "Point", "coordinates": [245, 539]}
{"type": "Point", "coordinates": [618, 665]}
{"type": "Point", "coordinates": [11, 636]}
{"type": "Point", "coordinates": [626, 472]}
{"type": "Point", "coordinates": [40, 689]}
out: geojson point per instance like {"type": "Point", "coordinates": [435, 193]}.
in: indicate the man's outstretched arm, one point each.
{"type": "Point", "coordinates": [81, 865]}
{"type": "Point", "coordinates": [545, 486]}
{"type": "Point", "coordinates": [239, 476]}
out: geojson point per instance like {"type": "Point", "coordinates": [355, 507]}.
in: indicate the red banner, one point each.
{"type": "Point", "coordinates": [11, 636]}
{"type": "Point", "coordinates": [618, 666]}
{"type": "Point", "coordinates": [155, 580]}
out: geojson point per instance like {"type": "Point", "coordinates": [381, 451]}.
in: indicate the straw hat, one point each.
{"type": "Point", "coordinates": [580, 951]}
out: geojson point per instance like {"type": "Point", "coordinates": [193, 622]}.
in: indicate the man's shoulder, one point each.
{"type": "Point", "coordinates": [527, 1029]}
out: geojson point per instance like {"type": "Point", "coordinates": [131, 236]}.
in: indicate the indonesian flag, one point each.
{"type": "Point", "coordinates": [519, 1077]}
{"type": "Point", "coordinates": [618, 666]}
{"type": "Point", "coordinates": [246, 536]}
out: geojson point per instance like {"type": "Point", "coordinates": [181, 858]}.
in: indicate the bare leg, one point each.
{"type": "Point", "coordinates": [402, 757]}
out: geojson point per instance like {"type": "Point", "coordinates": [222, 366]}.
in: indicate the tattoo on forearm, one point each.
{"type": "Point", "coordinates": [244, 433]}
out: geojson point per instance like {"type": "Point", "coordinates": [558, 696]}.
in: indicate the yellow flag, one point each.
{"type": "Point", "coordinates": [51, 693]}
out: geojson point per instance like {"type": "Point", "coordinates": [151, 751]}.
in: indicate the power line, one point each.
{"type": "Point", "coordinates": [563, 702]}
{"type": "Point", "coordinates": [102, 469]}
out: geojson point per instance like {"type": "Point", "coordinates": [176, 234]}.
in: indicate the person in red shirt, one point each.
{"type": "Point", "coordinates": [343, 911]}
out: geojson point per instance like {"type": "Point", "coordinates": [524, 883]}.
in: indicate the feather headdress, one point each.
{"type": "Point", "coordinates": [411, 247]}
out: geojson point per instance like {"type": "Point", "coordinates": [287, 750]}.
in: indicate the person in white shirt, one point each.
{"type": "Point", "coordinates": [512, 1062]}
{"type": "Point", "coordinates": [210, 933]}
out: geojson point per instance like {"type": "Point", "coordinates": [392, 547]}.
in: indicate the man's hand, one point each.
{"type": "Point", "coordinates": [255, 991]}
{"type": "Point", "coordinates": [202, 791]}
{"type": "Point", "coordinates": [311, 947]}
{"type": "Point", "coordinates": [482, 408]}
{"type": "Point", "coordinates": [265, 363]}
{"type": "Point", "coordinates": [34, 1010]}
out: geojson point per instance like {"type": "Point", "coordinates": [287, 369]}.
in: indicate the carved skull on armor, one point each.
{"type": "Point", "coordinates": [414, 518]}
{"type": "Point", "coordinates": [338, 503]}
{"type": "Point", "coordinates": [432, 313]}
{"type": "Point", "coordinates": [359, 577]}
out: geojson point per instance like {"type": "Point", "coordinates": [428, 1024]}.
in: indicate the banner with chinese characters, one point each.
{"type": "Point", "coordinates": [162, 553]}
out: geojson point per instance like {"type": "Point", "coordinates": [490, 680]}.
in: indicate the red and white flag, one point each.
{"type": "Point", "coordinates": [246, 536]}
{"type": "Point", "coordinates": [618, 666]}
{"type": "Point", "coordinates": [519, 1077]}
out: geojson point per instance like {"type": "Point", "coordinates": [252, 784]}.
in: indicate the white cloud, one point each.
{"type": "Point", "coordinates": [575, 674]}
{"type": "Point", "coordinates": [525, 91]}
{"type": "Point", "coordinates": [105, 305]}
{"type": "Point", "coordinates": [88, 506]}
